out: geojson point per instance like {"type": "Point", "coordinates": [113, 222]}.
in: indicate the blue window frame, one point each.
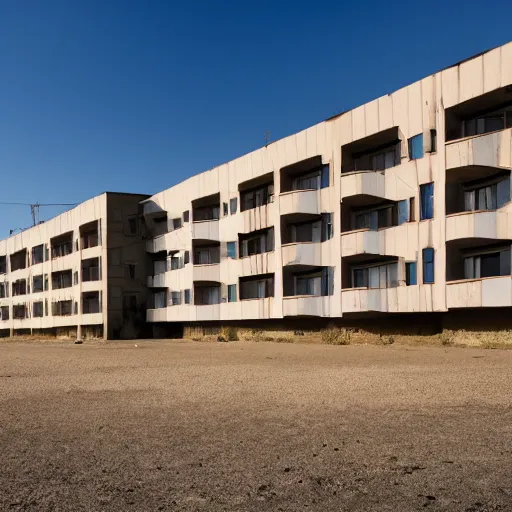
{"type": "Point", "coordinates": [410, 273]}
{"type": "Point", "coordinates": [427, 201]}
{"type": "Point", "coordinates": [231, 292]}
{"type": "Point", "coordinates": [324, 180]}
{"type": "Point", "coordinates": [231, 249]}
{"type": "Point", "coordinates": [416, 147]}
{"type": "Point", "coordinates": [403, 211]}
{"type": "Point", "coordinates": [428, 265]}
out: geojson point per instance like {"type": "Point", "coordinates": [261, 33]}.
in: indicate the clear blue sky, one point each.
{"type": "Point", "coordinates": [135, 96]}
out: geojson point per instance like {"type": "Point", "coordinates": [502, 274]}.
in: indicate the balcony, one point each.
{"type": "Point", "coordinates": [206, 230]}
{"type": "Point", "coordinates": [366, 183]}
{"type": "Point", "coordinates": [157, 244]}
{"type": "Point", "coordinates": [156, 315]}
{"type": "Point", "coordinates": [307, 281]}
{"type": "Point", "coordinates": [300, 201]}
{"type": "Point", "coordinates": [205, 215]}
{"type": "Point", "coordinates": [401, 299]}
{"type": "Point", "coordinates": [306, 306]}
{"type": "Point", "coordinates": [208, 272]}
{"type": "Point", "coordinates": [476, 293]}
{"type": "Point", "coordinates": [477, 224]}
{"type": "Point", "coordinates": [377, 152]}
{"type": "Point", "coordinates": [305, 253]}
{"type": "Point", "coordinates": [157, 281]}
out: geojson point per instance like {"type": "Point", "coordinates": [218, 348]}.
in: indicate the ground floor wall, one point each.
{"type": "Point", "coordinates": [66, 332]}
{"type": "Point", "coordinates": [470, 327]}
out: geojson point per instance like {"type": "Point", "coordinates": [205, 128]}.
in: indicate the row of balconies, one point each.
{"type": "Point", "coordinates": [89, 304]}
{"type": "Point", "coordinates": [59, 247]}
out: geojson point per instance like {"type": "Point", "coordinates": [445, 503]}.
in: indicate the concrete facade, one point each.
{"type": "Point", "coordinates": [79, 274]}
{"type": "Point", "coordinates": [401, 205]}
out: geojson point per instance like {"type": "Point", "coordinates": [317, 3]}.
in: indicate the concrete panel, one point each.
{"type": "Point", "coordinates": [301, 201]}
{"type": "Point", "coordinates": [465, 294]}
{"type": "Point", "coordinates": [506, 67]}
{"type": "Point", "coordinates": [309, 253]}
{"type": "Point", "coordinates": [206, 230]}
{"type": "Point", "coordinates": [471, 79]}
{"type": "Point", "coordinates": [371, 113]}
{"type": "Point", "coordinates": [497, 292]}
{"type": "Point", "coordinates": [492, 70]}
{"type": "Point", "coordinates": [385, 112]}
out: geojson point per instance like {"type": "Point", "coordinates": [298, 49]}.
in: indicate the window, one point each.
{"type": "Point", "coordinates": [186, 216]}
{"type": "Point", "coordinates": [62, 308]}
{"type": "Point", "coordinates": [132, 226]}
{"type": "Point", "coordinates": [19, 287]}
{"type": "Point", "coordinates": [176, 223]}
{"type": "Point", "coordinates": [257, 242]}
{"type": "Point", "coordinates": [491, 122]}
{"type": "Point", "coordinates": [258, 287]}
{"type": "Point", "coordinates": [18, 311]}
{"type": "Point", "coordinates": [186, 257]}
{"type": "Point", "coordinates": [37, 309]}
{"type": "Point", "coordinates": [205, 295]}
{"type": "Point", "coordinates": [403, 211]}
{"type": "Point", "coordinates": [206, 213]}
{"type": "Point", "coordinates": [256, 197]}
{"type": "Point", "coordinates": [379, 218]}
{"type": "Point", "coordinates": [489, 264]}
{"type": "Point", "coordinates": [175, 262]}
{"type": "Point", "coordinates": [384, 160]}
{"type": "Point", "coordinates": [62, 279]}
{"type": "Point", "coordinates": [412, 209]}
{"type": "Point", "coordinates": [231, 292]}
{"type": "Point", "coordinates": [433, 141]}
{"type": "Point", "coordinates": [159, 300]}
{"type": "Point", "coordinates": [376, 276]}
{"type": "Point", "coordinates": [487, 197]}
{"type": "Point", "coordinates": [46, 282]}
{"type": "Point", "coordinates": [186, 295]}
{"type": "Point", "coordinates": [410, 273]}
{"type": "Point", "coordinates": [37, 284]}
{"type": "Point", "coordinates": [4, 312]}
{"type": "Point", "coordinates": [225, 209]}
{"type": "Point", "coordinates": [75, 277]}
{"type": "Point", "coordinates": [427, 201]}
{"type": "Point", "coordinates": [45, 307]}
{"type": "Point", "coordinates": [37, 254]}
{"type": "Point", "coordinates": [311, 180]}
{"type": "Point", "coordinates": [327, 229]}
{"type": "Point", "coordinates": [231, 249]}
{"type": "Point", "coordinates": [4, 290]}
{"type": "Point", "coordinates": [233, 204]}
{"type": "Point", "coordinates": [308, 285]}
{"type": "Point", "coordinates": [175, 299]}
{"type": "Point", "coordinates": [131, 270]}
{"type": "Point", "coordinates": [428, 265]}
{"type": "Point", "coordinates": [416, 147]}
{"type": "Point", "coordinates": [206, 256]}
{"type": "Point", "coordinates": [3, 264]}
{"type": "Point", "coordinates": [324, 180]}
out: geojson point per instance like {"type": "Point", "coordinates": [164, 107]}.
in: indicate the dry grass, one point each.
{"type": "Point", "coordinates": [336, 336]}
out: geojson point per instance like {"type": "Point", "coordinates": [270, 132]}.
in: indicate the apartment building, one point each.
{"type": "Point", "coordinates": [79, 274]}
{"type": "Point", "coordinates": [401, 205]}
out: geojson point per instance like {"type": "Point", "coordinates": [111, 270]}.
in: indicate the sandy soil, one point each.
{"type": "Point", "coordinates": [254, 427]}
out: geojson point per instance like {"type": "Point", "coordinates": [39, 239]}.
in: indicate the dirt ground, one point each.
{"type": "Point", "coordinates": [254, 427]}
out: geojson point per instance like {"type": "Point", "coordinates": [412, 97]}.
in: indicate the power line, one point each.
{"type": "Point", "coordinates": [34, 208]}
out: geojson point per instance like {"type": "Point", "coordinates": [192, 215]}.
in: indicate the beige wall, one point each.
{"type": "Point", "coordinates": [417, 108]}
{"type": "Point", "coordinates": [116, 248]}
